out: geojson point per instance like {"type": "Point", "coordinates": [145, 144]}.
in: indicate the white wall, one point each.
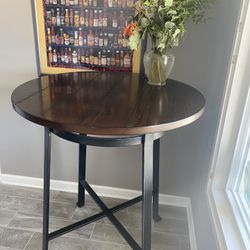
{"type": "Point", "coordinates": [202, 61]}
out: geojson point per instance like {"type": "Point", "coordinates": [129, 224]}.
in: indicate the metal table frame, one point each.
{"type": "Point", "coordinates": [150, 184]}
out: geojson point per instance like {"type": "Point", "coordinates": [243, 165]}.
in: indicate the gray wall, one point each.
{"type": "Point", "coordinates": [201, 60]}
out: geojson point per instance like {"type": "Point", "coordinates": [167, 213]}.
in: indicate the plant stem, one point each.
{"type": "Point", "coordinates": [159, 70]}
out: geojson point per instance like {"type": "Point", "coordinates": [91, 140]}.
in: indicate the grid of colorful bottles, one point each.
{"type": "Point", "coordinates": [92, 3]}
{"type": "Point", "coordinates": [86, 38]}
{"type": "Point", "coordinates": [111, 58]}
{"type": "Point", "coordinates": [84, 17]}
{"type": "Point", "coordinates": [71, 31]}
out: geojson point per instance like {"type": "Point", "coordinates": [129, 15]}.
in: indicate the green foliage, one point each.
{"type": "Point", "coordinates": [164, 20]}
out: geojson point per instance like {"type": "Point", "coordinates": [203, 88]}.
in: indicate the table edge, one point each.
{"type": "Point", "coordinates": [113, 131]}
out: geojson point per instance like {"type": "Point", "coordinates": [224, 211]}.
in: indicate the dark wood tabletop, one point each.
{"type": "Point", "coordinates": [103, 103]}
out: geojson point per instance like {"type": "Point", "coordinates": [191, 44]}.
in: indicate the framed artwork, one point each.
{"type": "Point", "coordinates": [83, 35]}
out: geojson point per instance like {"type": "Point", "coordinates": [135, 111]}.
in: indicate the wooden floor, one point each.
{"type": "Point", "coordinates": [21, 223]}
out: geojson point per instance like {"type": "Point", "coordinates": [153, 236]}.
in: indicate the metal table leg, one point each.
{"type": "Point", "coordinates": [81, 175]}
{"type": "Point", "coordinates": [147, 191]}
{"type": "Point", "coordinates": [156, 174]}
{"type": "Point", "coordinates": [150, 187]}
{"type": "Point", "coordinates": [46, 187]}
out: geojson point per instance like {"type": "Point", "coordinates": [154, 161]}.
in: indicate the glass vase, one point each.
{"type": "Point", "coordinates": [158, 66]}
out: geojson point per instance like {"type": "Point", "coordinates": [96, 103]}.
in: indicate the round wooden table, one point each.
{"type": "Point", "coordinates": [108, 110]}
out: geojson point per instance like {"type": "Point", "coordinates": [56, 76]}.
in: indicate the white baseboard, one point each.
{"type": "Point", "coordinates": [105, 191]}
{"type": "Point", "coordinates": [68, 186]}
{"type": "Point", "coordinates": [192, 236]}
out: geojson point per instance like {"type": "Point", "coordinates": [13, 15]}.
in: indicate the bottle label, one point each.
{"type": "Point", "coordinates": [67, 21]}
{"type": "Point", "coordinates": [55, 58]}
{"type": "Point", "coordinates": [127, 62]}
{"type": "Point", "coordinates": [124, 42]}
{"type": "Point", "coordinates": [108, 61]}
{"type": "Point", "coordinates": [81, 21]}
{"type": "Point", "coordinates": [80, 41]}
{"type": "Point", "coordinates": [105, 42]}
{"type": "Point", "coordinates": [101, 42]}
{"type": "Point", "coordinates": [104, 61]}
{"type": "Point", "coordinates": [114, 23]}
{"type": "Point", "coordinates": [96, 22]}
{"type": "Point", "coordinates": [83, 59]}
{"type": "Point", "coordinates": [105, 22]}
{"type": "Point", "coordinates": [77, 21]}
{"type": "Point", "coordinates": [50, 58]}
{"type": "Point", "coordinates": [53, 39]}
{"type": "Point", "coordinates": [76, 42]}
{"type": "Point", "coordinates": [112, 61]}
{"type": "Point", "coordinates": [91, 60]}
{"type": "Point", "coordinates": [54, 20]}
{"type": "Point", "coordinates": [58, 21]}
{"type": "Point", "coordinates": [74, 59]}
{"type": "Point", "coordinates": [90, 41]}
{"type": "Point", "coordinates": [96, 41]}
{"type": "Point", "coordinates": [96, 60]}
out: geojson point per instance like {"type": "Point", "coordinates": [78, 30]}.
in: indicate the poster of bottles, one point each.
{"type": "Point", "coordinates": [84, 34]}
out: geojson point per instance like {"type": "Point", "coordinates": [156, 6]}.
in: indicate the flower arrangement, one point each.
{"type": "Point", "coordinates": [164, 21]}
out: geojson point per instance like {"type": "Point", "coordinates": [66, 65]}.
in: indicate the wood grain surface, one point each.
{"type": "Point", "coordinates": [103, 103]}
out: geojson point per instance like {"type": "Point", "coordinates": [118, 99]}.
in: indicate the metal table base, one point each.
{"type": "Point", "coordinates": [150, 185]}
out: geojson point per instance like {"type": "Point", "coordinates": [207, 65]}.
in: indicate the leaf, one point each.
{"type": "Point", "coordinates": [144, 22]}
{"type": "Point", "coordinates": [165, 20]}
{"type": "Point", "coordinates": [172, 12]}
{"type": "Point", "coordinates": [134, 40]}
{"type": "Point", "coordinates": [176, 33]}
{"type": "Point", "coordinates": [168, 3]}
{"type": "Point", "coordinates": [169, 25]}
